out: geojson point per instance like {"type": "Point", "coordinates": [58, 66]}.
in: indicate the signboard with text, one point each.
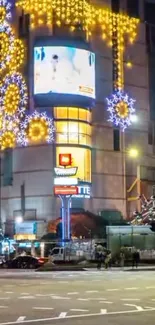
{"type": "Point", "coordinates": [65, 190]}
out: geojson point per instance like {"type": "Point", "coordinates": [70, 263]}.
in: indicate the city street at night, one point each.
{"type": "Point", "coordinates": [88, 297]}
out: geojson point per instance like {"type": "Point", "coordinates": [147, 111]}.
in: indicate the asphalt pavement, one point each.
{"type": "Point", "coordinates": [66, 298]}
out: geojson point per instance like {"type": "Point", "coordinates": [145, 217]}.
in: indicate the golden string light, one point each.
{"type": "Point", "coordinates": [88, 16]}
{"type": "Point", "coordinates": [37, 130]}
{"type": "Point", "coordinates": [2, 14]}
{"type": "Point", "coordinates": [11, 99]}
{"type": "Point", "coordinates": [7, 140]}
{"type": "Point", "coordinates": [17, 55]}
{"type": "Point", "coordinates": [122, 109]}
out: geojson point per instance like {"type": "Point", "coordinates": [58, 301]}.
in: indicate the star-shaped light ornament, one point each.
{"type": "Point", "coordinates": [121, 109]}
{"type": "Point", "coordinates": [36, 128]}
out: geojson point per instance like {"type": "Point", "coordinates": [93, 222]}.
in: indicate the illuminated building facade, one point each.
{"type": "Point", "coordinates": [84, 68]}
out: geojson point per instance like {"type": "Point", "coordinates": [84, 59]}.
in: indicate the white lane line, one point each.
{"type": "Point", "coordinates": [150, 287]}
{"type": "Point", "coordinates": [63, 281]}
{"type": "Point", "coordinates": [43, 320]}
{"type": "Point", "coordinates": [73, 293]}
{"type": "Point", "coordinates": [82, 310]}
{"type": "Point", "coordinates": [4, 298]}
{"type": "Point", "coordinates": [130, 299]}
{"type": "Point", "coordinates": [112, 289]}
{"type": "Point", "coordinates": [91, 291]}
{"type": "Point", "coordinates": [62, 315]}
{"type": "Point", "coordinates": [41, 295]}
{"type": "Point", "coordinates": [139, 308]}
{"type": "Point", "coordinates": [26, 297]}
{"type": "Point", "coordinates": [42, 308]}
{"type": "Point", "coordinates": [131, 288]}
{"type": "Point", "coordinates": [103, 311]}
{"type": "Point", "coordinates": [3, 306]}
{"type": "Point", "coordinates": [9, 292]}
{"type": "Point", "coordinates": [58, 297]}
{"type": "Point", "coordinates": [83, 299]}
{"type": "Point", "coordinates": [20, 319]}
{"type": "Point", "coordinates": [106, 302]}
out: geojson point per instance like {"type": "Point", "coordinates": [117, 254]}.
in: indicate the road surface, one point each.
{"type": "Point", "coordinates": [67, 298]}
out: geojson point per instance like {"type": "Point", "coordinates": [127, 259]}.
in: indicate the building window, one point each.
{"type": "Point", "coordinates": [116, 140]}
{"type": "Point", "coordinates": [73, 133]}
{"type": "Point", "coordinates": [115, 5]}
{"type": "Point", "coordinates": [133, 8]}
{"type": "Point", "coordinates": [73, 113]}
{"type": "Point", "coordinates": [81, 158]}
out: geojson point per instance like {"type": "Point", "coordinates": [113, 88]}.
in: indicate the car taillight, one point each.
{"type": "Point", "coordinates": [41, 260]}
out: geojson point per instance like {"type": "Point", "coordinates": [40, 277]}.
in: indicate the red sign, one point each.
{"type": "Point", "coordinates": [65, 159]}
{"type": "Point", "coordinates": [65, 190]}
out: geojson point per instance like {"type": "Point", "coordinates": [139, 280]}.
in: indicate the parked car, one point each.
{"type": "Point", "coordinates": [24, 262]}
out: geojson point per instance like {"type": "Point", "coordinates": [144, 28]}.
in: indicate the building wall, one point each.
{"type": "Point", "coordinates": [34, 165]}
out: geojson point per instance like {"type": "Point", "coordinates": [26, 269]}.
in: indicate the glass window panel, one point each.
{"type": "Point", "coordinates": [73, 132]}
{"type": "Point", "coordinates": [89, 114]}
{"type": "Point", "coordinates": [82, 128]}
{"type": "Point", "coordinates": [88, 129]}
{"type": "Point", "coordinates": [62, 138]}
{"type": "Point", "coordinates": [87, 165]}
{"type": "Point", "coordinates": [82, 114]}
{"type": "Point", "coordinates": [73, 113]}
{"type": "Point", "coordinates": [61, 127]}
{"type": "Point", "coordinates": [60, 112]}
{"type": "Point", "coordinates": [82, 139]}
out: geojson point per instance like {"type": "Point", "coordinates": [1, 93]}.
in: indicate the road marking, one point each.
{"type": "Point", "coordinates": [139, 308]}
{"type": "Point", "coordinates": [63, 281]}
{"type": "Point", "coordinates": [82, 310]}
{"type": "Point", "coordinates": [4, 298]}
{"type": "Point", "coordinates": [3, 306]}
{"type": "Point", "coordinates": [73, 293]}
{"type": "Point", "coordinates": [42, 308]}
{"type": "Point", "coordinates": [20, 319]}
{"type": "Point", "coordinates": [91, 291]}
{"type": "Point", "coordinates": [130, 299]}
{"type": "Point", "coordinates": [83, 299]}
{"type": "Point", "coordinates": [26, 297]}
{"type": "Point", "coordinates": [9, 292]}
{"type": "Point", "coordinates": [106, 302]}
{"type": "Point", "coordinates": [41, 295]}
{"type": "Point", "coordinates": [131, 288]}
{"type": "Point", "coordinates": [58, 297]}
{"type": "Point", "coordinates": [43, 320]}
{"type": "Point", "coordinates": [150, 287]}
{"type": "Point", "coordinates": [62, 315]}
{"type": "Point", "coordinates": [103, 311]}
{"type": "Point", "coordinates": [112, 290]}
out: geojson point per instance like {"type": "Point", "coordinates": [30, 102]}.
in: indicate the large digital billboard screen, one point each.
{"type": "Point", "coordinates": [64, 70]}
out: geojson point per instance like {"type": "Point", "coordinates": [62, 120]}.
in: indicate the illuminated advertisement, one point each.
{"type": "Point", "coordinates": [81, 160]}
{"type": "Point", "coordinates": [64, 70]}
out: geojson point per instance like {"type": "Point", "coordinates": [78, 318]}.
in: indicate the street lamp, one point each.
{"type": "Point", "coordinates": [134, 118]}
{"type": "Point", "coordinates": [19, 220]}
{"type": "Point", "coordinates": [133, 152]}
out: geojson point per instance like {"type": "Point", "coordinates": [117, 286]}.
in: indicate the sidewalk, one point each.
{"type": "Point", "coordinates": [125, 269]}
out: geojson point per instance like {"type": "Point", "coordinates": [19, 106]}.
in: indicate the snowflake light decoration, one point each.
{"type": "Point", "coordinates": [121, 109]}
{"type": "Point", "coordinates": [6, 44]}
{"type": "Point", "coordinates": [5, 12]}
{"type": "Point", "coordinates": [14, 95]}
{"type": "Point", "coordinates": [36, 128]}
